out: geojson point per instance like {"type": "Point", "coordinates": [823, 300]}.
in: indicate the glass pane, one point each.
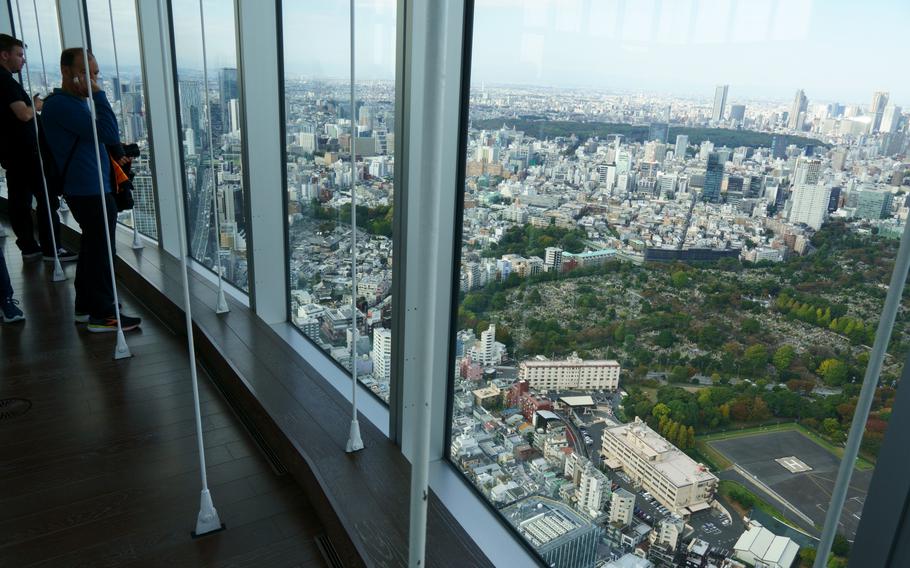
{"type": "Point", "coordinates": [125, 91]}
{"type": "Point", "coordinates": [674, 256]}
{"type": "Point", "coordinates": [41, 34]}
{"type": "Point", "coordinates": [318, 111]}
{"type": "Point", "coordinates": [214, 193]}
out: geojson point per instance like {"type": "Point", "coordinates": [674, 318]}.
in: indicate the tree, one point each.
{"type": "Point", "coordinates": [682, 438]}
{"type": "Point", "coordinates": [841, 545]}
{"type": "Point", "coordinates": [680, 279]}
{"type": "Point", "coordinates": [833, 371]}
{"type": "Point", "coordinates": [660, 410]}
{"type": "Point", "coordinates": [783, 357]}
{"type": "Point", "coordinates": [756, 357]}
{"type": "Point", "coordinates": [665, 339]}
{"type": "Point", "coordinates": [690, 437]}
{"type": "Point", "coordinates": [750, 326]}
{"type": "Point", "coordinates": [672, 432]}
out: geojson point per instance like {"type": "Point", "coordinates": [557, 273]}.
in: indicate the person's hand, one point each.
{"type": "Point", "coordinates": [37, 102]}
{"type": "Point", "coordinates": [95, 86]}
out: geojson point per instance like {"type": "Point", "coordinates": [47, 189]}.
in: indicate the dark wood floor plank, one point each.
{"type": "Point", "coordinates": [103, 469]}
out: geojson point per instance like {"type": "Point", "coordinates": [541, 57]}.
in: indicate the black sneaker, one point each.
{"type": "Point", "coordinates": [103, 325]}
{"type": "Point", "coordinates": [29, 254]}
{"type": "Point", "coordinates": [83, 317]}
{"type": "Point", "coordinates": [63, 255]}
{"type": "Point", "coordinates": [10, 312]}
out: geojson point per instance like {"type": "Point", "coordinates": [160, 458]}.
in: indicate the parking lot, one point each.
{"type": "Point", "coordinates": [808, 491]}
{"type": "Point", "coordinates": [711, 525]}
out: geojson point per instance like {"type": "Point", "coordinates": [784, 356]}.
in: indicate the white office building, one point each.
{"type": "Point", "coordinates": [672, 477]}
{"type": "Point", "coordinates": [573, 373]}
{"type": "Point", "coordinates": [382, 354]}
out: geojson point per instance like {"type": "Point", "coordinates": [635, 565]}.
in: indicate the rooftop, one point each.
{"type": "Point", "coordinates": [679, 468]}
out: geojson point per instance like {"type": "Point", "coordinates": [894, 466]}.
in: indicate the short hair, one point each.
{"type": "Point", "coordinates": [68, 57]}
{"type": "Point", "coordinates": [8, 42]}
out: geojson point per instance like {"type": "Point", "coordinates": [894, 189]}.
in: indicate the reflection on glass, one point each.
{"type": "Point", "coordinates": [319, 123]}
{"type": "Point", "coordinates": [219, 244]}
{"type": "Point", "coordinates": [41, 34]}
{"type": "Point", "coordinates": [125, 91]}
{"type": "Point", "coordinates": [674, 256]}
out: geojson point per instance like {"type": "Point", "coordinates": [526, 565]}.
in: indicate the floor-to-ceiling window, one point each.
{"type": "Point", "coordinates": [115, 43]}
{"type": "Point", "coordinates": [322, 128]}
{"type": "Point", "coordinates": [679, 224]}
{"type": "Point", "coordinates": [211, 120]}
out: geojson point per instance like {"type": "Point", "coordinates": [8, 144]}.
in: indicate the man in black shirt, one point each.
{"type": "Point", "coordinates": [19, 157]}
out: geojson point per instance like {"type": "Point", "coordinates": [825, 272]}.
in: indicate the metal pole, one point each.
{"type": "Point", "coordinates": [137, 244]}
{"type": "Point", "coordinates": [63, 207]}
{"type": "Point", "coordinates": [121, 350]}
{"type": "Point", "coordinates": [207, 520]}
{"type": "Point", "coordinates": [864, 404]}
{"type": "Point", "coordinates": [354, 440]}
{"type": "Point", "coordinates": [222, 306]}
{"type": "Point", "coordinates": [58, 275]}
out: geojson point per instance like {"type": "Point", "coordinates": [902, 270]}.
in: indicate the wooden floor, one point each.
{"type": "Point", "coordinates": [102, 470]}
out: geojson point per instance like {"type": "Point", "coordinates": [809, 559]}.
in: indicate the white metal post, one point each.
{"type": "Point", "coordinates": [160, 90]}
{"type": "Point", "coordinates": [207, 520]}
{"type": "Point", "coordinates": [58, 275]}
{"type": "Point", "coordinates": [433, 77]}
{"type": "Point", "coordinates": [355, 442]}
{"type": "Point", "coordinates": [263, 148]}
{"type": "Point", "coordinates": [121, 349]}
{"type": "Point", "coordinates": [137, 243]}
{"type": "Point", "coordinates": [221, 306]}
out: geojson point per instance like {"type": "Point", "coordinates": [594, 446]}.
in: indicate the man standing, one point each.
{"type": "Point", "coordinates": [68, 127]}
{"type": "Point", "coordinates": [19, 157]}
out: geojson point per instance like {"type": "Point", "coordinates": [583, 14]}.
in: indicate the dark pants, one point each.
{"type": "Point", "coordinates": [6, 287]}
{"type": "Point", "coordinates": [94, 288]}
{"type": "Point", "coordinates": [23, 179]}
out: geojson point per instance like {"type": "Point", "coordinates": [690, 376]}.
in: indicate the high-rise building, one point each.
{"type": "Point", "coordinates": [778, 147]}
{"type": "Point", "coordinates": [834, 199]}
{"type": "Point", "coordinates": [572, 373]}
{"type": "Point", "coordinates": [682, 142]}
{"type": "Point", "coordinates": [810, 198]}
{"type": "Point", "coordinates": [879, 102]}
{"type": "Point", "coordinates": [622, 505]}
{"type": "Point", "coordinates": [807, 172]}
{"type": "Point", "coordinates": [714, 176]}
{"type": "Point", "coordinates": [553, 258]}
{"type": "Point", "coordinates": [838, 158]}
{"type": "Point", "coordinates": [798, 110]}
{"type": "Point", "coordinates": [382, 354]}
{"type": "Point", "coordinates": [873, 204]}
{"type": "Point", "coordinates": [592, 492]}
{"type": "Point", "coordinates": [891, 118]}
{"type": "Point", "coordinates": [738, 114]}
{"type": "Point", "coordinates": [720, 101]}
{"type": "Point", "coordinates": [227, 90]}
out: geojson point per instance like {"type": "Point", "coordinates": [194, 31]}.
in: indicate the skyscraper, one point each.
{"type": "Point", "coordinates": [382, 354]}
{"type": "Point", "coordinates": [891, 118]}
{"type": "Point", "coordinates": [227, 91]}
{"type": "Point", "coordinates": [720, 101]}
{"type": "Point", "coordinates": [714, 176]}
{"type": "Point", "coordinates": [778, 150]}
{"type": "Point", "coordinates": [879, 102]}
{"type": "Point", "coordinates": [682, 142]}
{"type": "Point", "coordinates": [799, 106]}
{"type": "Point", "coordinates": [737, 114]}
{"type": "Point", "coordinates": [810, 199]}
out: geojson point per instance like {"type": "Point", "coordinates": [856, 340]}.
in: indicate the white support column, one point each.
{"type": "Point", "coordinates": [263, 150]}
{"type": "Point", "coordinates": [433, 74]}
{"type": "Point", "coordinates": [6, 18]}
{"type": "Point", "coordinates": [68, 13]}
{"type": "Point", "coordinates": [432, 97]}
{"type": "Point", "coordinates": [160, 92]}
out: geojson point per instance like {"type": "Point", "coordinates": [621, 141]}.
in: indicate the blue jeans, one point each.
{"type": "Point", "coordinates": [6, 287]}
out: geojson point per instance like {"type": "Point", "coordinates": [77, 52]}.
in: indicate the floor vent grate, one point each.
{"type": "Point", "coordinates": [327, 549]}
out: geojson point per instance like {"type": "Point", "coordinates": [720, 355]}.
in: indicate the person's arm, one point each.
{"type": "Point", "coordinates": [22, 111]}
{"type": "Point", "coordinates": [108, 133]}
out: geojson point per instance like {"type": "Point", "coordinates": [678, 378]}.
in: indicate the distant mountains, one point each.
{"type": "Point", "coordinates": [542, 128]}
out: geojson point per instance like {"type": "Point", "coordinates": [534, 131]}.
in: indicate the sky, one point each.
{"type": "Point", "coordinates": [836, 50]}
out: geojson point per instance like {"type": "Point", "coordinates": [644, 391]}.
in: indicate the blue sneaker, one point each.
{"type": "Point", "coordinates": [11, 311]}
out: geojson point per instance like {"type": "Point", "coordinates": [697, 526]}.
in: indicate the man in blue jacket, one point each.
{"type": "Point", "coordinates": [67, 124]}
